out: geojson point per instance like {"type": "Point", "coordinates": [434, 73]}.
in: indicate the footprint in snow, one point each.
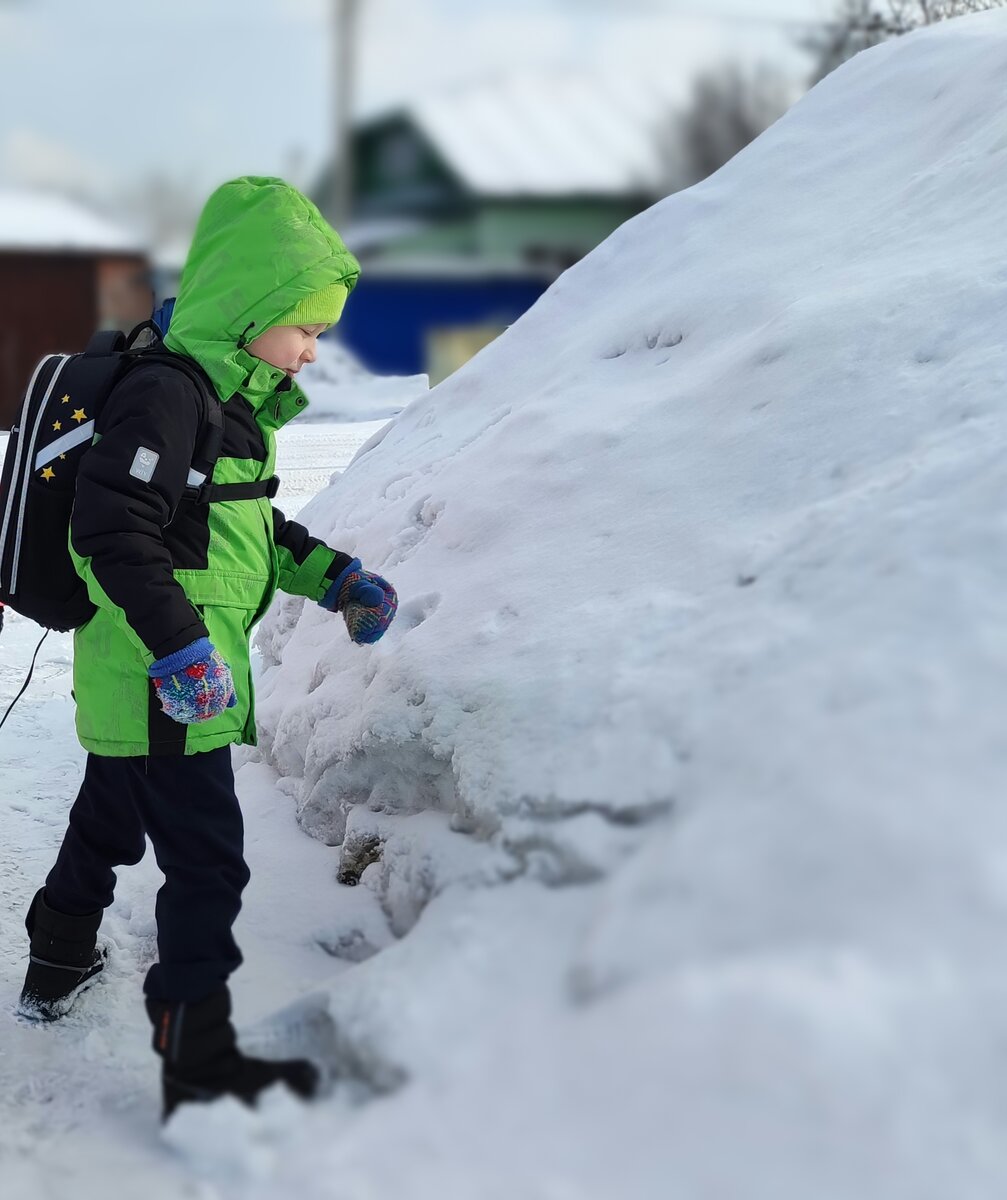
{"type": "Point", "coordinates": [415, 611]}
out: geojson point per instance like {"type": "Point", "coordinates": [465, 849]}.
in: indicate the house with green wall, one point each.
{"type": "Point", "coordinates": [468, 203]}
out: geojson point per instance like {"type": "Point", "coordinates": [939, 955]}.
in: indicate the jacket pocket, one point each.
{"type": "Point", "coordinates": [224, 589]}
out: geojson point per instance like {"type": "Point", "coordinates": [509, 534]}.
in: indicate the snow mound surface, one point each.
{"type": "Point", "coordinates": [340, 389]}
{"type": "Point", "coordinates": [701, 569]}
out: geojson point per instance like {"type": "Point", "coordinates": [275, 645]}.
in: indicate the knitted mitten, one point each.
{"type": "Point", "coordinates": [367, 602]}
{"type": "Point", "coordinates": [193, 684]}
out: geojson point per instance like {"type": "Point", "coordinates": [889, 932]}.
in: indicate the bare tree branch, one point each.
{"type": "Point", "coordinates": [859, 24]}
{"type": "Point", "coordinates": [730, 107]}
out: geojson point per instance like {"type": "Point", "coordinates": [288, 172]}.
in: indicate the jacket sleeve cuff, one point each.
{"type": "Point", "coordinates": [197, 651]}
{"type": "Point", "coordinates": [331, 598]}
{"type": "Point", "coordinates": [180, 639]}
{"type": "Point", "coordinates": [312, 578]}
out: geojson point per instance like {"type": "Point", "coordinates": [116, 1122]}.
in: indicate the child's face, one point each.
{"type": "Point", "coordinates": [287, 346]}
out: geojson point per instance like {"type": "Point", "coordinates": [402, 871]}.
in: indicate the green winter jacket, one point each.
{"type": "Point", "coordinates": [161, 568]}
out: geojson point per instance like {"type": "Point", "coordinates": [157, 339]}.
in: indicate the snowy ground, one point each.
{"type": "Point", "coordinates": [675, 792]}
{"type": "Point", "coordinates": [340, 389]}
{"type": "Point", "coordinates": [310, 454]}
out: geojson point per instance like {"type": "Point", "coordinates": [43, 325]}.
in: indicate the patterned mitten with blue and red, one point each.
{"type": "Point", "coordinates": [193, 684]}
{"type": "Point", "coordinates": [367, 602]}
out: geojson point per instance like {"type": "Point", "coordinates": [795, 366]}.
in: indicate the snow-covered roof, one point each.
{"type": "Point", "coordinates": [37, 220]}
{"type": "Point", "coordinates": [556, 134]}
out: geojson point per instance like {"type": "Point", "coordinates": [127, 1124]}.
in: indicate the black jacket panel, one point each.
{"type": "Point", "coordinates": [118, 515]}
{"type": "Point", "coordinates": [299, 543]}
{"type": "Point", "coordinates": [242, 436]}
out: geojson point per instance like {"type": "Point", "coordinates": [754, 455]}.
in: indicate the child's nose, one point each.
{"type": "Point", "coordinates": [309, 353]}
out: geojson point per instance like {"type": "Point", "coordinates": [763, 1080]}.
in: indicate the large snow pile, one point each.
{"type": "Point", "coordinates": [683, 764]}
{"type": "Point", "coordinates": [340, 389]}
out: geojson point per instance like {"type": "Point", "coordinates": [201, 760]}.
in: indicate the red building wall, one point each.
{"type": "Point", "coordinates": [54, 302]}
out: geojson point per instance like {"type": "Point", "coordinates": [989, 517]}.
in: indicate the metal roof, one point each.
{"type": "Point", "coordinates": [568, 132]}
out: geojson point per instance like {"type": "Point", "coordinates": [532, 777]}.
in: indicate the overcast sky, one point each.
{"type": "Point", "coordinates": [100, 93]}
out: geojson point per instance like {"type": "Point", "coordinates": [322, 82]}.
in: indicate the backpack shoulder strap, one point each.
{"type": "Point", "coordinates": [211, 436]}
{"type": "Point", "coordinates": [199, 486]}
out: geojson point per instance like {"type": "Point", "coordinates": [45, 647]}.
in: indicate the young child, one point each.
{"type": "Point", "coordinates": [161, 672]}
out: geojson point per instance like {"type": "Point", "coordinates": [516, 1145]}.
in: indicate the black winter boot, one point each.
{"type": "Point", "coordinates": [63, 957]}
{"type": "Point", "coordinates": [202, 1061]}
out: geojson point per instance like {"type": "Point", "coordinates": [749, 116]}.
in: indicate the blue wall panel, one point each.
{"type": "Point", "coordinates": [385, 319]}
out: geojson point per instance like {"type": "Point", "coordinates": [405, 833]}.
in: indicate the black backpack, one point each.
{"type": "Point", "coordinates": [37, 575]}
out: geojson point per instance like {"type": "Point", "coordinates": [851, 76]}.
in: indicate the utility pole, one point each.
{"type": "Point", "coordinates": [345, 15]}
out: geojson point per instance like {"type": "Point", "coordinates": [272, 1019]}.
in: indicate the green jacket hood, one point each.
{"type": "Point", "coordinates": [259, 248]}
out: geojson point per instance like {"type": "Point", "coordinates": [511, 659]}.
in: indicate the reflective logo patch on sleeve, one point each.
{"type": "Point", "coordinates": [144, 462]}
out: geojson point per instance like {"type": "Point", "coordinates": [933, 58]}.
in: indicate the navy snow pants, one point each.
{"type": "Point", "coordinates": [186, 805]}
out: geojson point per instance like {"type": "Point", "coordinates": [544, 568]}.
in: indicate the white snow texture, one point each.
{"type": "Point", "coordinates": [674, 792]}
{"type": "Point", "coordinates": [700, 567]}
{"type": "Point", "coordinates": [37, 220]}
{"type": "Point", "coordinates": [340, 389]}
